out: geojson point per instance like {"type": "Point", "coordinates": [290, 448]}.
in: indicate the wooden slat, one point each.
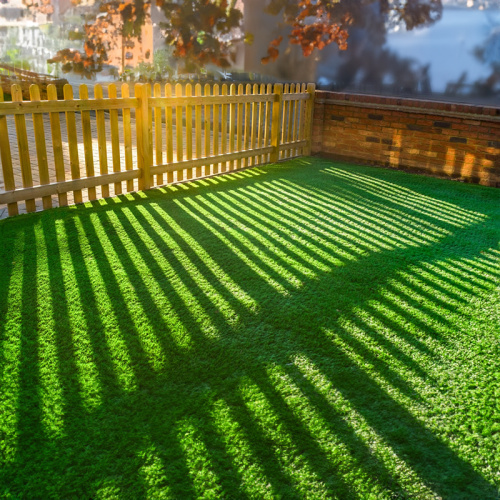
{"type": "Point", "coordinates": [276, 123]}
{"type": "Point", "coordinates": [143, 148]}
{"type": "Point", "coordinates": [74, 160]}
{"type": "Point", "coordinates": [6, 157]}
{"type": "Point", "coordinates": [55, 126]}
{"type": "Point", "coordinates": [208, 100]}
{"type": "Point", "coordinates": [127, 137]}
{"type": "Point", "coordinates": [149, 129]}
{"type": "Point", "coordinates": [224, 128]}
{"type": "Point", "coordinates": [261, 125]}
{"type": "Point", "coordinates": [23, 145]}
{"type": "Point", "coordinates": [189, 130]}
{"type": "Point", "coordinates": [66, 186]}
{"type": "Point", "coordinates": [290, 119]}
{"type": "Point", "coordinates": [169, 132]}
{"type": "Point", "coordinates": [284, 123]}
{"type": "Point", "coordinates": [293, 132]}
{"type": "Point", "coordinates": [268, 124]}
{"type": "Point", "coordinates": [292, 145]}
{"type": "Point", "coordinates": [206, 161]}
{"type": "Point", "coordinates": [309, 118]}
{"type": "Point", "coordinates": [296, 111]}
{"type": "Point", "coordinates": [239, 127]}
{"type": "Point", "coordinates": [178, 131]}
{"type": "Point", "coordinates": [247, 124]}
{"type": "Point", "coordinates": [101, 140]}
{"type": "Point", "coordinates": [41, 146]}
{"type": "Point", "coordinates": [115, 137]}
{"type": "Point", "coordinates": [295, 97]}
{"type": "Point", "coordinates": [28, 107]}
{"type": "Point", "coordinates": [303, 109]}
{"type": "Point", "coordinates": [158, 134]}
{"type": "Point", "coordinates": [207, 116]}
{"type": "Point", "coordinates": [232, 123]}
{"type": "Point", "coordinates": [216, 119]}
{"type": "Point", "coordinates": [87, 141]}
{"type": "Point", "coordinates": [255, 119]}
{"type": "Point", "coordinates": [198, 130]}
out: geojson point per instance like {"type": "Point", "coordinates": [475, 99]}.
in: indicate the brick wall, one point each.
{"type": "Point", "coordinates": [451, 140]}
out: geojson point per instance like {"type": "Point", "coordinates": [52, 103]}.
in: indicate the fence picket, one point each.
{"type": "Point", "coordinates": [296, 110]}
{"type": "Point", "coordinates": [239, 126]}
{"type": "Point", "coordinates": [189, 130]}
{"type": "Point", "coordinates": [255, 118]}
{"type": "Point", "coordinates": [148, 129]}
{"type": "Point", "coordinates": [206, 113]}
{"type": "Point", "coordinates": [261, 124]}
{"type": "Point", "coordinates": [101, 140]}
{"type": "Point", "coordinates": [247, 130]}
{"type": "Point", "coordinates": [267, 135]}
{"type": "Point", "coordinates": [232, 118]}
{"type": "Point", "coordinates": [293, 151]}
{"type": "Point", "coordinates": [198, 132]}
{"type": "Point", "coordinates": [178, 131]}
{"type": "Point", "coordinates": [170, 133]}
{"type": "Point", "coordinates": [286, 121]}
{"type": "Point", "coordinates": [88, 152]}
{"type": "Point", "coordinates": [303, 109]}
{"type": "Point", "coordinates": [277, 121]}
{"type": "Point", "coordinates": [291, 120]}
{"type": "Point", "coordinates": [289, 134]}
{"type": "Point", "coordinates": [224, 129]}
{"type": "Point", "coordinates": [216, 119]}
{"type": "Point", "coordinates": [23, 145]}
{"type": "Point", "coordinates": [6, 157]}
{"type": "Point", "coordinates": [115, 137]}
{"type": "Point", "coordinates": [309, 118]}
{"type": "Point", "coordinates": [55, 127]}
{"type": "Point", "coordinates": [74, 160]}
{"type": "Point", "coordinates": [41, 146]}
{"type": "Point", "coordinates": [127, 136]}
{"type": "Point", "coordinates": [147, 134]}
{"type": "Point", "coordinates": [158, 134]}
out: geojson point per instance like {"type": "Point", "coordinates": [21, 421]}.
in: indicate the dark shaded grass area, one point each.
{"type": "Point", "coordinates": [307, 329]}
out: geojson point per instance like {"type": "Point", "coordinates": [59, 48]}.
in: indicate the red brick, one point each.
{"type": "Point", "coordinates": [421, 150]}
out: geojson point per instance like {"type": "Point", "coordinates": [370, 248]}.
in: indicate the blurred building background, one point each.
{"type": "Point", "coordinates": [457, 58]}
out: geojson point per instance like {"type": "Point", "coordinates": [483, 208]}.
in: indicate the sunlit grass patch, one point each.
{"type": "Point", "coordinates": [300, 330]}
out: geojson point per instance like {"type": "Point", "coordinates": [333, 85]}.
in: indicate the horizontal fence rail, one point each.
{"type": "Point", "coordinates": [57, 152]}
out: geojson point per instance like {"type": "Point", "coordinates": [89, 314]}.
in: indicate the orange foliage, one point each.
{"type": "Point", "coordinates": [315, 24]}
{"type": "Point", "coordinates": [41, 6]}
{"type": "Point", "coordinates": [318, 23]}
{"type": "Point", "coordinates": [202, 31]}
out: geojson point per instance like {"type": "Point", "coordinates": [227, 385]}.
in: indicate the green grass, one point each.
{"type": "Point", "coordinates": [302, 330]}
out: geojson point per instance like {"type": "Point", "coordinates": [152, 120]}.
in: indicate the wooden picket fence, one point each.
{"type": "Point", "coordinates": [151, 139]}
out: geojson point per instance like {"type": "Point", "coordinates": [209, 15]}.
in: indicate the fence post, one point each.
{"type": "Point", "coordinates": [142, 130]}
{"type": "Point", "coordinates": [311, 88]}
{"type": "Point", "coordinates": [276, 122]}
{"type": "Point", "coordinates": [6, 160]}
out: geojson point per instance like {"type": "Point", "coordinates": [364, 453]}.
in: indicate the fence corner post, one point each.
{"type": "Point", "coordinates": [143, 139]}
{"type": "Point", "coordinates": [276, 122]}
{"type": "Point", "coordinates": [311, 89]}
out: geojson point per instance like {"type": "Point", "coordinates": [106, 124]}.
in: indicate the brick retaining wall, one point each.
{"type": "Point", "coordinates": [459, 141]}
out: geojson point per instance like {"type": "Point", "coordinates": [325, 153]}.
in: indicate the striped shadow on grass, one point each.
{"type": "Point", "coordinates": [303, 330]}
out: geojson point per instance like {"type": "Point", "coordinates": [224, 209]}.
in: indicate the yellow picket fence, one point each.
{"type": "Point", "coordinates": [104, 146]}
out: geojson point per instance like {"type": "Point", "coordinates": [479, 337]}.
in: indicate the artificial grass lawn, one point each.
{"type": "Point", "coordinates": [307, 329]}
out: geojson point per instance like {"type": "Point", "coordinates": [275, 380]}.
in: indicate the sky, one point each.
{"type": "Point", "coordinates": [449, 44]}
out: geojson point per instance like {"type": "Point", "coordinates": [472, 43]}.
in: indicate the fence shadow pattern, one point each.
{"type": "Point", "coordinates": [57, 152]}
{"type": "Point", "coordinates": [133, 355]}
